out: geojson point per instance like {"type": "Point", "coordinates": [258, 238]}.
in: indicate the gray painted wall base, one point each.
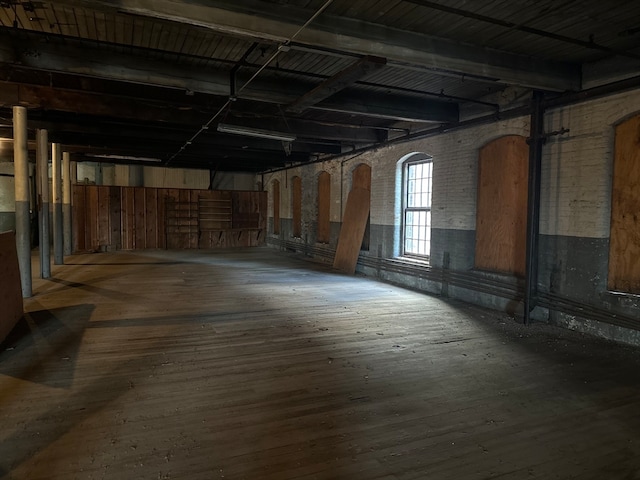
{"type": "Point", "coordinates": [572, 277]}
{"type": "Point", "coordinates": [7, 221]}
{"type": "Point", "coordinates": [593, 327]}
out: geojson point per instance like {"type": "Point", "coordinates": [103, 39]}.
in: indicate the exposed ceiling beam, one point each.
{"type": "Point", "coordinates": [338, 82]}
{"type": "Point", "coordinates": [49, 98]}
{"type": "Point", "coordinates": [100, 132]}
{"type": "Point", "coordinates": [399, 108]}
{"type": "Point", "coordinates": [273, 22]}
{"type": "Point", "coordinates": [130, 68]}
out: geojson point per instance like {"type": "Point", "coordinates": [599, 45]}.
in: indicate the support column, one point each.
{"type": "Point", "coordinates": [42, 172]}
{"type": "Point", "coordinates": [58, 243]}
{"type": "Point", "coordinates": [23, 228]}
{"type": "Point", "coordinates": [66, 202]}
{"type": "Point", "coordinates": [536, 141]}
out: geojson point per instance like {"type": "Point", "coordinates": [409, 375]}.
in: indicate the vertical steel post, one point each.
{"type": "Point", "coordinates": [42, 171]}
{"type": "Point", "coordinates": [66, 202]}
{"type": "Point", "coordinates": [536, 141]}
{"type": "Point", "coordinates": [21, 172]}
{"type": "Point", "coordinates": [58, 242]}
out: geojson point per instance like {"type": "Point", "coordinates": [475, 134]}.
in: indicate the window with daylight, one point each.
{"type": "Point", "coordinates": [418, 181]}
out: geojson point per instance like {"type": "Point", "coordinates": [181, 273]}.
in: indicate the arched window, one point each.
{"type": "Point", "coordinates": [296, 206]}
{"type": "Point", "coordinates": [324, 206]}
{"type": "Point", "coordinates": [416, 206]}
{"type": "Point", "coordinates": [275, 192]}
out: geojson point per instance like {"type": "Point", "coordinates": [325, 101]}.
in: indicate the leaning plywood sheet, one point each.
{"type": "Point", "coordinates": [10, 287]}
{"type": "Point", "coordinates": [354, 224]}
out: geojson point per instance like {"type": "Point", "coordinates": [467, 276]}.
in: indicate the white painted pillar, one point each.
{"type": "Point", "coordinates": [42, 173]}
{"type": "Point", "coordinates": [66, 202]}
{"type": "Point", "coordinates": [58, 242]}
{"type": "Point", "coordinates": [23, 227]}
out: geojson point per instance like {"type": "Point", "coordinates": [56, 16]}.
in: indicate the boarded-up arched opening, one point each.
{"type": "Point", "coordinates": [361, 178]}
{"type": "Point", "coordinates": [275, 192]}
{"type": "Point", "coordinates": [624, 246]}
{"type": "Point", "coordinates": [501, 217]}
{"type": "Point", "coordinates": [296, 206]}
{"type": "Point", "coordinates": [324, 207]}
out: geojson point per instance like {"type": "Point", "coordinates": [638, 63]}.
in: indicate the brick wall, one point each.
{"type": "Point", "coordinates": [575, 200]}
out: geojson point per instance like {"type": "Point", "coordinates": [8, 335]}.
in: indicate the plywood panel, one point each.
{"type": "Point", "coordinates": [324, 207]}
{"type": "Point", "coordinates": [624, 250]}
{"type": "Point", "coordinates": [296, 206]}
{"type": "Point", "coordinates": [361, 177]}
{"type": "Point", "coordinates": [276, 207]}
{"type": "Point", "coordinates": [10, 287]}
{"type": "Point", "coordinates": [501, 224]}
{"type": "Point", "coordinates": [354, 223]}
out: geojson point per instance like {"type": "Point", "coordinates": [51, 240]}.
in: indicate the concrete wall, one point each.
{"type": "Point", "coordinates": [574, 226]}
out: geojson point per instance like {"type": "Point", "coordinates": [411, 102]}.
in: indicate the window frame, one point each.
{"type": "Point", "coordinates": [405, 208]}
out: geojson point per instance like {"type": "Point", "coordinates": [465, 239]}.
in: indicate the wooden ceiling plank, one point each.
{"type": "Point", "coordinates": [279, 22]}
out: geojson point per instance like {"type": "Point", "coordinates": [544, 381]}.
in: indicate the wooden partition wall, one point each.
{"type": "Point", "coordinates": [132, 218]}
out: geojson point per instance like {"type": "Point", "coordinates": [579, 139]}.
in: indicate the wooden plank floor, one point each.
{"type": "Point", "coordinates": [254, 364]}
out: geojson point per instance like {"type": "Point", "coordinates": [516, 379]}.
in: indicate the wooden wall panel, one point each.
{"type": "Point", "coordinates": [138, 218]}
{"type": "Point", "coordinates": [324, 208]}
{"type": "Point", "coordinates": [139, 229]}
{"type": "Point", "coordinates": [79, 218]}
{"type": "Point", "coordinates": [193, 212]}
{"type": "Point", "coordinates": [624, 246]}
{"type": "Point", "coordinates": [115, 212]}
{"type": "Point", "coordinates": [361, 178]}
{"type": "Point", "coordinates": [501, 222]}
{"type": "Point", "coordinates": [91, 233]}
{"type": "Point", "coordinates": [10, 285]}
{"type": "Point", "coordinates": [161, 218]}
{"type": "Point", "coordinates": [104, 217]}
{"type": "Point", "coordinates": [353, 227]}
{"type": "Point", "coordinates": [151, 218]}
{"type": "Point", "coordinates": [296, 206]}
{"type": "Point", "coordinates": [128, 218]}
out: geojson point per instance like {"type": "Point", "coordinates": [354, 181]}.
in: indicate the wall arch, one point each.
{"type": "Point", "coordinates": [296, 206]}
{"type": "Point", "coordinates": [275, 202]}
{"type": "Point", "coordinates": [324, 208]}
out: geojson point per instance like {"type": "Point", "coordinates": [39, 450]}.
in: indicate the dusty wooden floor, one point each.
{"type": "Point", "coordinates": [259, 365]}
